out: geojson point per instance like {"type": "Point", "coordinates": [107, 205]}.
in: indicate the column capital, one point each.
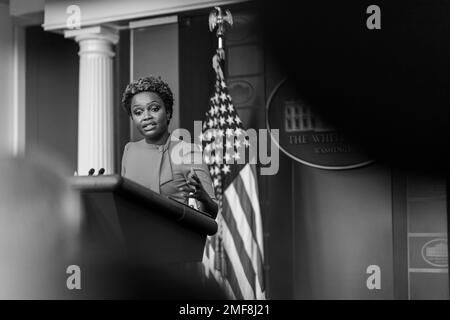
{"type": "Point", "coordinates": [94, 40]}
{"type": "Point", "coordinates": [93, 33]}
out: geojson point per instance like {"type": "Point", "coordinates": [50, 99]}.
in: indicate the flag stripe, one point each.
{"type": "Point", "coordinates": [240, 262]}
{"type": "Point", "coordinates": [245, 191]}
{"type": "Point", "coordinates": [237, 197]}
{"type": "Point", "coordinates": [207, 247]}
{"type": "Point", "coordinates": [233, 227]}
{"type": "Point", "coordinates": [210, 271]}
{"type": "Point", "coordinates": [232, 279]}
{"type": "Point", "coordinates": [245, 204]}
{"type": "Point", "coordinates": [229, 290]}
{"type": "Point", "coordinates": [208, 259]}
{"type": "Point", "coordinates": [250, 183]}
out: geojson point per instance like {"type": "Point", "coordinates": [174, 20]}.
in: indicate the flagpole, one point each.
{"type": "Point", "coordinates": [239, 243]}
{"type": "Point", "coordinates": [219, 20]}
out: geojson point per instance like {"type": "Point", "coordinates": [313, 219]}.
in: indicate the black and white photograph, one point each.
{"type": "Point", "coordinates": [224, 154]}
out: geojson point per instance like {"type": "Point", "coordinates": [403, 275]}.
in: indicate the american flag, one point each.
{"type": "Point", "coordinates": [235, 255]}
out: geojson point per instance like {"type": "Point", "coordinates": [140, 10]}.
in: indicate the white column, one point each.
{"type": "Point", "coordinates": [95, 99]}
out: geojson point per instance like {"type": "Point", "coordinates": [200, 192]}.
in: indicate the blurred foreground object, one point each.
{"type": "Point", "coordinates": [40, 220]}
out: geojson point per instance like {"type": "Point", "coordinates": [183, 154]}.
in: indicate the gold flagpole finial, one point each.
{"type": "Point", "coordinates": [217, 18]}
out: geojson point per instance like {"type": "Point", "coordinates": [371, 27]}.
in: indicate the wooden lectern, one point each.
{"type": "Point", "coordinates": [123, 216]}
{"type": "Point", "coordinates": [136, 243]}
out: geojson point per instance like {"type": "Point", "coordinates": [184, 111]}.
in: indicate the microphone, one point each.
{"type": "Point", "coordinates": [91, 172]}
{"type": "Point", "coordinates": [101, 171]}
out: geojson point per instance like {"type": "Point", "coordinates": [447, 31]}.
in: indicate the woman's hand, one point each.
{"type": "Point", "coordinates": [195, 189]}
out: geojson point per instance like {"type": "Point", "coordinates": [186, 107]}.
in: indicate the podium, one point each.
{"type": "Point", "coordinates": [136, 243]}
{"type": "Point", "coordinates": [123, 217]}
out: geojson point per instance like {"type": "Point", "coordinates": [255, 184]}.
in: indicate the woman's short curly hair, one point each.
{"type": "Point", "coordinates": [148, 84]}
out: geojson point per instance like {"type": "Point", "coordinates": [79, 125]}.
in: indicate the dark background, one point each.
{"type": "Point", "coordinates": [388, 88]}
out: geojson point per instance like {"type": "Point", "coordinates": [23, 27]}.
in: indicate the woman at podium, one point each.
{"type": "Point", "coordinates": [149, 162]}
